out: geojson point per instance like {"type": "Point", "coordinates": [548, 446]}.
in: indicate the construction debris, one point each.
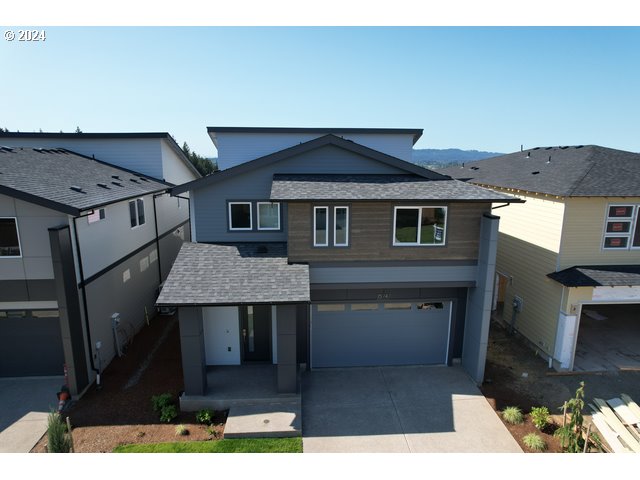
{"type": "Point", "coordinates": [618, 420]}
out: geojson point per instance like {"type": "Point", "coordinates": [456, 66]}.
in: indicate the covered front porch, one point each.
{"type": "Point", "coordinates": [240, 308]}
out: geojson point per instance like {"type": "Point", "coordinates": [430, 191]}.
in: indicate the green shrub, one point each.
{"type": "Point", "coordinates": [168, 413]}
{"type": "Point", "coordinates": [204, 416]}
{"type": "Point", "coordinates": [512, 415]}
{"type": "Point", "coordinates": [534, 442]}
{"type": "Point", "coordinates": [58, 438]}
{"type": "Point", "coordinates": [161, 401]}
{"type": "Point", "coordinates": [540, 417]}
{"type": "Point", "coordinates": [181, 430]}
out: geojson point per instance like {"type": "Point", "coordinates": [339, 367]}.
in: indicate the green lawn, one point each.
{"type": "Point", "coordinates": [228, 445]}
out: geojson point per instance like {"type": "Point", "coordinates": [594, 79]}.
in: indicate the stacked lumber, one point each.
{"type": "Point", "coordinates": [618, 420]}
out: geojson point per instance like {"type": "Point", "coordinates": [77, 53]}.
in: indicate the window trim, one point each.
{"type": "Point", "coordinates": [15, 220]}
{"type": "Point", "coordinates": [268, 229]}
{"type": "Point", "coordinates": [630, 235]}
{"type": "Point", "coordinates": [335, 230]}
{"type": "Point", "coordinates": [419, 208]}
{"type": "Point", "coordinates": [314, 226]}
{"type": "Point", "coordinates": [240, 229]}
{"type": "Point", "coordinates": [135, 203]}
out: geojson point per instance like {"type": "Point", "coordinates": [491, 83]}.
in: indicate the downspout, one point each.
{"type": "Point", "coordinates": [84, 297]}
{"type": "Point", "coordinates": [188, 208]}
{"type": "Point", "coordinates": [155, 221]}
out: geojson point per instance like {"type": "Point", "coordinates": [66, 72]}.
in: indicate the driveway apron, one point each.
{"type": "Point", "coordinates": [418, 409]}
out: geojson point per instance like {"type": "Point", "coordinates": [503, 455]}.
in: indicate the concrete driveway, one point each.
{"type": "Point", "coordinates": [24, 406]}
{"type": "Point", "coordinates": [420, 409]}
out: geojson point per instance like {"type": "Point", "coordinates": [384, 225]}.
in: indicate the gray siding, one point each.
{"type": "Point", "coordinates": [210, 205]}
{"type": "Point", "coordinates": [33, 222]}
{"type": "Point", "coordinates": [371, 234]}
{"type": "Point", "coordinates": [140, 154]}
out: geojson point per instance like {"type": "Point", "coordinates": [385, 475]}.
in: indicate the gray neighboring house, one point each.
{"type": "Point", "coordinates": [328, 248]}
{"type": "Point", "coordinates": [80, 240]}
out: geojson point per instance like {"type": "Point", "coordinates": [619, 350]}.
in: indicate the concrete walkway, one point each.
{"type": "Point", "coordinates": [399, 409]}
{"type": "Point", "coordinates": [24, 406]}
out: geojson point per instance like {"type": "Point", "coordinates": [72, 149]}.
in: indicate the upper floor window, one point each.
{"type": "Point", "coordinates": [331, 225]}
{"type": "Point", "coordinates": [136, 212]}
{"type": "Point", "coordinates": [96, 216]}
{"type": "Point", "coordinates": [9, 238]}
{"type": "Point", "coordinates": [622, 230]}
{"type": "Point", "coordinates": [419, 226]}
{"type": "Point", "coordinates": [268, 216]}
{"type": "Point", "coordinates": [240, 217]}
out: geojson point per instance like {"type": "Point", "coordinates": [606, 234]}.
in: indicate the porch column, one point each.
{"type": "Point", "coordinates": [192, 345]}
{"type": "Point", "coordinates": [287, 365]}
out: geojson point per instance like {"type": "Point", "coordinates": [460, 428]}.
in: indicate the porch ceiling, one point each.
{"type": "Point", "coordinates": [244, 273]}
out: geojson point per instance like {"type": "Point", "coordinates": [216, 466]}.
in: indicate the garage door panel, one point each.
{"type": "Point", "coordinates": [380, 337]}
{"type": "Point", "coordinates": [30, 346]}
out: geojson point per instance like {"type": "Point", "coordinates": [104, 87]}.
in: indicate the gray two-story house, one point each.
{"type": "Point", "coordinates": [329, 248]}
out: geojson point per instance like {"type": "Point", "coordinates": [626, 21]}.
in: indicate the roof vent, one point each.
{"type": "Point", "coordinates": [134, 180]}
{"type": "Point", "coordinates": [104, 185]}
{"type": "Point", "coordinates": [528, 154]}
{"type": "Point", "coordinates": [579, 146]}
{"type": "Point", "coordinates": [475, 168]}
{"type": "Point", "coordinates": [75, 188]}
{"type": "Point", "coordinates": [143, 179]}
{"type": "Point", "coordinates": [548, 148]}
{"type": "Point", "coordinates": [116, 183]}
{"type": "Point", "coordinates": [549, 161]}
{"type": "Point", "coordinates": [117, 177]}
{"type": "Point", "coordinates": [537, 148]}
{"type": "Point", "coordinates": [535, 173]}
{"type": "Point", "coordinates": [6, 149]}
{"type": "Point", "coordinates": [563, 148]}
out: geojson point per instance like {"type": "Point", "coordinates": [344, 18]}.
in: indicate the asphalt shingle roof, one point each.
{"type": "Point", "coordinates": [45, 177]}
{"type": "Point", "coordinates": [598, 276]}
{"type": "Point", "coordinates": [577, 171]}
{"type": "Point", "coordinates": [244, 273]}
{"type": "Point", "coordinates": [377, 187]}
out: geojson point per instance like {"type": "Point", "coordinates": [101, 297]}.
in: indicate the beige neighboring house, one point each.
{"type": "Point", "coordinates": [568, 261]}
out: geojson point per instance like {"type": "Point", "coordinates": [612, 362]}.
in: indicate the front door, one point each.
{"type": "Point", "coordinates": [255, 330]}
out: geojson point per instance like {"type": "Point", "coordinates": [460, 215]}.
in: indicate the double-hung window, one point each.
{"type": "Point", "coordinates": [331, 226]}
{"type": "Point", "coordinates": [622, 230]}
{"type": "Point", "coordinates": [9, 238]}
{"type": "Point", "coordinates": [419, 226]}
{"type": "Point", "coordinates": [136, 212]}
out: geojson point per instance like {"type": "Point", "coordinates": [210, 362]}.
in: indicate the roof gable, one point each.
{"type": "Point", "coordinates": [588, 170]}
{"type": "Point", "coordinates": [306, 147]}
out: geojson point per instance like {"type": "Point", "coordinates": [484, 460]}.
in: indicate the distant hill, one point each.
{"type": "Point", "coordinates": [435, 158]}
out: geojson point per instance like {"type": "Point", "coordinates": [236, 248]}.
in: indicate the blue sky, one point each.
{"type": "Point", "coordinates": [467, 87]}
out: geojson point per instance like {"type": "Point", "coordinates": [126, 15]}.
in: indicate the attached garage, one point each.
{"type": "Point", "coordinates": [370, 334]}
{"type": "Point", "coordinates": [30, 343]}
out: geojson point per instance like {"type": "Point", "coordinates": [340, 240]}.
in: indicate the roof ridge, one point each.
{"type": "Point", "coordinates": [577, 183]}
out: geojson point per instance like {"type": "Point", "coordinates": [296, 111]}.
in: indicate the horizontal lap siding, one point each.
{"type": "Point", "coordinates": [583, 234]}
{"type": "Point", "coordinates": [371, 230]}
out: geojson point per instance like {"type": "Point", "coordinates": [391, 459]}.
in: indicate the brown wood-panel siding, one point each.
{"type": "Point", "coordinates": [370, 234]}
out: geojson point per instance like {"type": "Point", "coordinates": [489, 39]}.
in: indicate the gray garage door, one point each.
{"type": "Point", "coordinates": [30, 343]}
{"type": "Point", "coordinates": [369, 334]}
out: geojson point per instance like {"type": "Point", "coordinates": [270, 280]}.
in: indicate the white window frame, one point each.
{"type": "Point", "coordinates": [419, 208]}
{"type": "Point", "coordinates": [97, 215]}
{"type": "Point", "coordinates": [632, 220]}
{"type": "Point", "coordinates": [258, 213]}
{"type": "Point", "coordinates": [135, 203]}
{"type": "Point", "coordinates": [240, 229]}
{"type": "Point", "coordinates": [335, 229]}
{"type": "Point", "coordinates": [15, 219]}
{"type": "Point", "coordinates": [315, 243]}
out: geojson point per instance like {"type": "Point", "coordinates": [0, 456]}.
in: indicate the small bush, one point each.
{"type": "Point", "coordinates": [512, 415]}
{"type": "Point", "coordinates": [204, 416]}
{"type": "Point", "coordinates": [181, 430]}
{"type": "Point", "coordinates": [168, 413]}
{"type": "Point", "coordinates": [161, 401]}
{"type": "Point", "coordinates": [540, 417]}
{"type": "Point", "coordinates": [58, 438]}
{"type": "Point", "coordinates": [534, 442]}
